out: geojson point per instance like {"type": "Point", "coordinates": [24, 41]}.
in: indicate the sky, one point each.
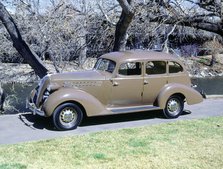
{"type": "Point", "coordinates": [44, 4]}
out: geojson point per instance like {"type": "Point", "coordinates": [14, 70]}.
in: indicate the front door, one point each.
{"type": "Point", "coordinates": [127, 86]}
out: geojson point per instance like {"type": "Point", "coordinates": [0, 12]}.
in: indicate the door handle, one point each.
{"type": "Point", "coordinates": [145, 82]}
{"type": "Point", "coordinates": [115, 83]}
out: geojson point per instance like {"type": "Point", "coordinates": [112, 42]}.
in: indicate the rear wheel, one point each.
{"type": "Point", "coordinates": [174, 107]}
{"type": "Point", "coordinates": [67, 116]}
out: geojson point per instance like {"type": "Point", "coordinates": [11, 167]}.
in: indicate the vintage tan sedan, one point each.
{"type": "Point", "coordinates": [120, 82]}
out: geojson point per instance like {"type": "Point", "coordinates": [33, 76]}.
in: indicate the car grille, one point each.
{"type": "Point", "coordinates": [40, 91]}
{"type": "Point", "coordinates": [36, 94]}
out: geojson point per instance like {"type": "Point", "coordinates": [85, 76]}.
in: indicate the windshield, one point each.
{"type": "Point", "coordinates": [105, 65]}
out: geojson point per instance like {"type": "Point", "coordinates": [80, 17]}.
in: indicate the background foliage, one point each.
{"type": "Point", "coordinates": [65, 30]}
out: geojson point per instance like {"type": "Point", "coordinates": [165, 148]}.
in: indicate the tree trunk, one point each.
{"type": "Point", "coordinates": [2, 98]}
{"type": "Point", "coordinates": [82, 42]}
{"type": "Point", "coordinates": [123, 24]}
{"type": "Point", "coordinates": [222, 14]}
{"type": "Point", "coordinates": [30, 57]}
{"type": "Point", "coordinates": [213, 60]}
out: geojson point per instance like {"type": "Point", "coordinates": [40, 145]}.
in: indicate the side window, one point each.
{"type": "Point", "coordinates": [175, 67]}
{"type": "Point", "coordinates": [105, 65]}
{"type": "Point", "coordinates": [130, 68]}
{"type": "Point", "coordinates": [155, 67]}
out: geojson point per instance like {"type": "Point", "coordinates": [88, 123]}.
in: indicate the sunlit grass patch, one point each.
{"type": "Point", "coordinates": [12, 166]}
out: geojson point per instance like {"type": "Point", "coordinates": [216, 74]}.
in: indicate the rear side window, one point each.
{"type": "Point", "coordinates": [155, 67]}
{"type": "Point", "coordinates": [175, 67]}
{"type": "Point", "coordinates": [130, 68]}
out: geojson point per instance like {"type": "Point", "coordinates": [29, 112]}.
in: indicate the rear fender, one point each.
{"type": "Point", "coordinates": [192, 96]}
{"type": "Point", "coordinates": [91, 105]}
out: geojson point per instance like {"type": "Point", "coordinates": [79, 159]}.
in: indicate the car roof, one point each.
{"type": "Point", "coordinates": [138, 55]}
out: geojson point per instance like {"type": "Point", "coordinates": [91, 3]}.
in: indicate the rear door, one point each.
{"type": "Point", "coordinates": [155, 77]}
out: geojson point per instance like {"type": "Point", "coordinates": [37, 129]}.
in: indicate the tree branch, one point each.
{"type": "Point", "coordinates": [208, 5]}
{"type": "Point", "coordinates": [106, 16]}
{"type": "Point", "coordinates": [196, 22]}
{"type": "Point", "coordinates": [165, 44]}
{"type": "Point", "coordinates": [126, 6]}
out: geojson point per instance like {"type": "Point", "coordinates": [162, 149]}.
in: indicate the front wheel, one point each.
{"type": "Point", "coordinates": [174, 107]}
{"type": "Point", "coordinates": [67, 116]}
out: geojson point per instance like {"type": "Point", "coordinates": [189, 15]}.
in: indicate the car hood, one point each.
{"type": "Point", "coordinates": [79, 75]}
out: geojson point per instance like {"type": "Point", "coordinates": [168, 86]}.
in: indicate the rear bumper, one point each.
{"type": "Point", "coordinates": [200, 91]}
{"type": "Point", "coordinates": [203, 94]}
{"type": "Point", "coordinates": [33, 108]}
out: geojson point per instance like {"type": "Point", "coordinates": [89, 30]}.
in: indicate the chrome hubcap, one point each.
{"type": "Point", "coordinates": [68, 116]}
{"type": "Point", "coordinates": [173, 107]}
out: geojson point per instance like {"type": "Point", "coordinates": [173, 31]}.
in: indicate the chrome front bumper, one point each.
{"type": "Point", "coordinates": [34, 109]}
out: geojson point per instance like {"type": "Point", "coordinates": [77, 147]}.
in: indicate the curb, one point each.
{"type": "Point", "coordinates": [214, 96]}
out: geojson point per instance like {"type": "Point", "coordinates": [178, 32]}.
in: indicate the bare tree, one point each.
{"type": "Point", "coordinates": [123, 24]}
{"type": "Point", "coordinates": [201, 15]}
{"type": "Point", "coordinates": [204, 15]}
{"type": "Point", "coordinates": [20, 45]}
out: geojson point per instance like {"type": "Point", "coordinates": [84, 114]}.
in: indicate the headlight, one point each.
{"type": "Point", "coordinates": [46, 95]}
{"type": "Point", "coordinates": [52, 87]}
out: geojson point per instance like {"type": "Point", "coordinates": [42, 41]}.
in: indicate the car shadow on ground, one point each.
{"type": "Point", "coordinates": [35, 121]}
{"type": "Point", "coordinates": [38, 122]}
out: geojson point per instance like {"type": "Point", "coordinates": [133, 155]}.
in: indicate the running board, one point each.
{"type": "Point", "coordinates": [133, 109]}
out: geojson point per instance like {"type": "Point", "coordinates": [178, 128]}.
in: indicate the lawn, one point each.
{"type": "Point", "coordinates": [194, 144]}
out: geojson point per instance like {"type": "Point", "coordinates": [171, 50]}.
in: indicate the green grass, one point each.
{"type": "Point", "coordinates": [195, 144]}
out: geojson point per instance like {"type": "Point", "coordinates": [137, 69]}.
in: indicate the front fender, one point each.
{"type": "Point", "coordinates": [192, 96]}
{"type": "Point", "coordinates": [91, 105]}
